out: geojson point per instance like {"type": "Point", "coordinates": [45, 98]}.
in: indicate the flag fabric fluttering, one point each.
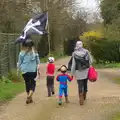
{"type": "Point", "coordinates": [36, 25]}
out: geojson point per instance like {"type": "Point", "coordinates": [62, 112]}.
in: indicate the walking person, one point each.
{"type": "Point", "coordinates": [62, 78]}
{"type": "Point", "coordinates": [50, 76]}
{"type": "Point", "coordinates": [27, 64]}
{"type": "Point", "coordinates": [81, 61]}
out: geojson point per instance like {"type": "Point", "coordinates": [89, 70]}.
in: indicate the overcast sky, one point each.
{"type": "Point", "coordinates": [90, 6]}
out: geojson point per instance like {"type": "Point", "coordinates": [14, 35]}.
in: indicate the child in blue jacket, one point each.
{"type": "Point", "coordinates": [63, 87]}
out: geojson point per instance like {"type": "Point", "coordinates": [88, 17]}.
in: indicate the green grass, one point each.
{"type": "Point", "coordinates": [107, 65]}
{"type": "Point", "coordinates": [116, 80]}
{"type": "Point", "coordinates": [10, 90]}
{"type": "Point", "coordinates": [116, 116]}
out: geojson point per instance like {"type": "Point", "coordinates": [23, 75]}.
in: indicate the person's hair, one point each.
{"type": "Point", "coordinates": [28, 45]}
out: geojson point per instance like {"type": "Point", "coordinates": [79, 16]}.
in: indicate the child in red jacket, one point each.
{"type": "Point", "coordinates": [50, 76]}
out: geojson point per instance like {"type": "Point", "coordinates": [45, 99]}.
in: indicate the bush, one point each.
{"type": "Point", "coordinates": [89, 37]}
{"type": "Point", "coordinates": [5, 80]}
{"type": "Point", "coordinates": [56, 55]}
{"type": "Point", "coordinates": [103, 49]}
{"type": "Point", "coordinates": [9, 90]}
{"type": "Point", "coordinates": [13, 76]}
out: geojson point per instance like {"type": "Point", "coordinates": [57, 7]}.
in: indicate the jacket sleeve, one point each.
{"type": "Point", "coordinates": [20, 59]}
{"type": "Point", "coordinates": [57, 78]}
{"type": "Point", "coordinates": [89, 57]}
{"type": "Point", "coordinates": [69, 78]}
{"type": "Point", "coordinates": [38, 59]}
{"type": "Point", "coordinates": [69, 64]}
{"type": "Point", "coordinates": [73, 67]}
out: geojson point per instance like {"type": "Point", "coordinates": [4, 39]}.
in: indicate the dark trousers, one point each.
{"type": "Point", "coordinates": [50, 85]}
{"type": "Point", "coordinates": [30, 83]}
{"type": "Point", "coordinates": [82, 85]}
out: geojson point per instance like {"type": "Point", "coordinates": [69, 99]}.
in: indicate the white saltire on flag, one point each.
{"type": "Point", "coordinates": [35, 25]}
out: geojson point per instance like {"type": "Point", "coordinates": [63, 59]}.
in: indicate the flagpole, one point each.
{"type": "Point", "coordinates": [46, 2]}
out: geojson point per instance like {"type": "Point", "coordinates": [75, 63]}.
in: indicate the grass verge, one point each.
{"type": "Point", "coordinates": [10, 90]}
{"type": "Point", "coordinates": [116, 116]}
{"type": "Point", "coordinates": [10, 86]}
{"type": "Point", "coordinates": [107, 65]}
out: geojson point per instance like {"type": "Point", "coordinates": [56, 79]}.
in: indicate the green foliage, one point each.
{"type": "Point", "coordinates": [14, 77]}
{"type": "Point", "coordinates": [9, 90]}
{"type": "Point", "coordinates": [105, 51]}
{"type": "Point", "coordinates": [5, 80]}
{"type": "Point", "coordinates": [112, 31]}
{"type": "Point", "coordinates": [56, 55]}
{"type": "Point", "coordinates": [110, 10]}
{"type": "Point", "coordinates": [107, 65]}
{"type": "Point", "coordinates": [10, 85]}
{"type": "Point", "coordinates": [116, 116]}
{"type": "Point", "coordinates": [90, 37]}
{"type": "Point", "coordinates": [102, 49]}
{"type": "Point", "coordinates": [13, 15]}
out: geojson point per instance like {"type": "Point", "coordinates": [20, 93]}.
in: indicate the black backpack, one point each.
{"type": "Point", "coordinates": [81, 62]}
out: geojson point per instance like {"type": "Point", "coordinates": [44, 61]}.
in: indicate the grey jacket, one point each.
{"type": "Point", "coordinates": [83, 73]}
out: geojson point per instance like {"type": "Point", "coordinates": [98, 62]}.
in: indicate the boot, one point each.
{"type": "Point", "coordinates": [27, 101]}
{"type": "Point", "coordinates": [84, 95]}
{"type": "Point", "coordinates": [31, 101]}
{"type": "Point", "coordinates": [29, 98]}
{"type": "Point", "coordinates": [66, 100]}
{"type": "Point", "coordinates": [81, 99]}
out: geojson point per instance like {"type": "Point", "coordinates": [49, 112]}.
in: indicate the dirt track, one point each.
{"type": "Point", "coordinates": [103, 99]}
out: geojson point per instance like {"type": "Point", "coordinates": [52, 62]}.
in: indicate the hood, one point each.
{"type": "Point", "coordinates": [79, 54]}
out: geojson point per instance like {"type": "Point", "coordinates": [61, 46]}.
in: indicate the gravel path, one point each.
{"type": "Point", "coordinates": [103, 99]}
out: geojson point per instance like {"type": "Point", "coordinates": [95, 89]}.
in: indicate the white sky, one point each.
{"type": "Point", "coordinates": [89, 4]}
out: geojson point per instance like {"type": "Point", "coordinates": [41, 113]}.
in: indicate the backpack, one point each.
{"type": "Point", "coordinates": [81, 62]}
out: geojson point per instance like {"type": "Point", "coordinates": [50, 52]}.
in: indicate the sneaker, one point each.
{"type": "Point", "coordinates": [60, 102]}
